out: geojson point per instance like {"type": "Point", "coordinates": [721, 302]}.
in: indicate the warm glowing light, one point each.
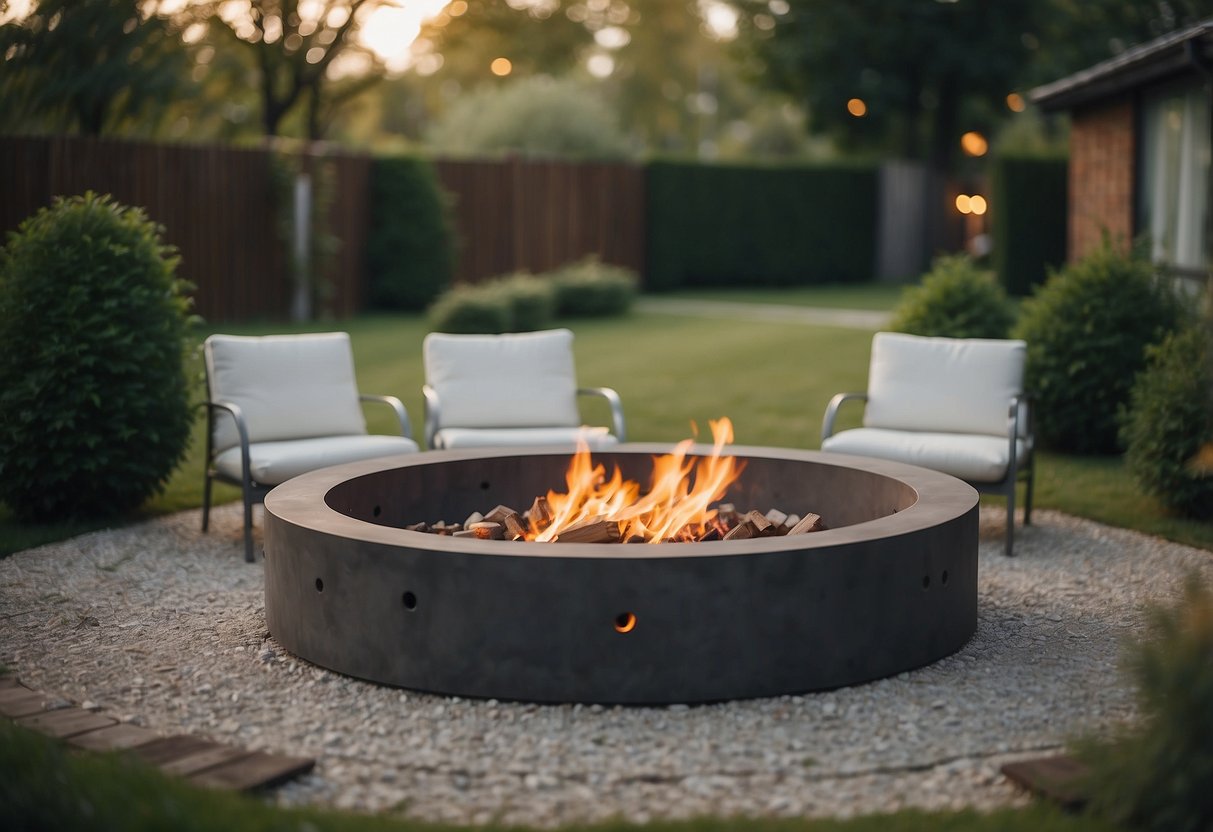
{"type": "Point", "coordinates": [389, 30]}
{"type": "Point", "coordinates": [1015, 103]}
{"type": "Point", "coordinates": [675, 507]}
{"type": "Point", "coordinates": [974, 144]}
{"type": "Point", "coordinates": [857, 107]}
{"type": "Point", "coordinates": [977, 204]}
{"type": "Point", "coordinates": [964, 204]}
{"type": "Point", "coordinates": [501, 67]}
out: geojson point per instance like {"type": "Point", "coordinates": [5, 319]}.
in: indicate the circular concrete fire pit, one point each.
{"type": "Point", "coordinates": [892, 585]}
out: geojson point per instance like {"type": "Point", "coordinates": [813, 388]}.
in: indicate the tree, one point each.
{"type": "Point", "coordinates": [304, 53]}
{"type": "Point", "coordinates": [899, 75]}
{"type": "Point", "coordinates": [96, 66]}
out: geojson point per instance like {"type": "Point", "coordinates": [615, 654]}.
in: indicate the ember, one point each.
{"type": "Point", "coordinates": [680, 505]}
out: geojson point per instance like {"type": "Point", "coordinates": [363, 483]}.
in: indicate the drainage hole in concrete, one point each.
{"type": "Point", "coordinates": [926, 581]}
{"type": "Point", "coordinates": [484, 486]}
{"type": "Point", "coordinates": [409, 600]}
{"type": "Point", "coordinates": [376, 511]}
{"type": "Point", "coordinates": [625, 622]}
{"type": "Point", "coordinates": [319, 585]}
{"type": "Point", "coordinates": [945, 577]}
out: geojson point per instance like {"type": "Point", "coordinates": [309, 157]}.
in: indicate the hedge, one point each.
{"type": "Point", "coordinates": [718, 225]}
{"type": "Point", "coordinates": [1028, 217]}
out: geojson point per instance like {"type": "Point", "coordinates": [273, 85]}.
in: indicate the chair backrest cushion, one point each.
{"type": "Point", "coordinates": [287, 386]}
{"type": "Point", "coordinates": [947, 385]}
{"type": "Point", "coordinates": [502, 381]}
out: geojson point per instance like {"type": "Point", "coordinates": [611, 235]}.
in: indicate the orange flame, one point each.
{"type": "Point", "coordinates": [675, 507]}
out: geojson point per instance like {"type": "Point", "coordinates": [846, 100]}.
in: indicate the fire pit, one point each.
{"type": "Point", "coordinates": [892, 585]}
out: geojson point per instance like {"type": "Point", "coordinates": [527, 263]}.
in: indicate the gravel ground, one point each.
{"type": "Point", "coordinates": [163, 626]}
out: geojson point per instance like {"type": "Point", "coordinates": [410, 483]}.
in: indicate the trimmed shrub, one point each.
{"type": "Point", "coordinates": [1170, 421]}
{"type": "Point", "coordinates": [1156, 775]}
{"type": "Point", "coordinates": [590, 288]}
{"type": "Point", "coordinates": [471, 310]}
{"type": "Point", "coordinates": [93, 393]}
{"type": "Point", "coordinates": [793, 225]}
{"type": "Point", "coordinates": [956, 300]}
{"type": "Point", "coordinates": [1087, 330]}
{"type": "Point", "coordinates": [410, 249]}
{"type": "Point", "coordinates": [1028, 217]}
{"type": "Point", "coordinates": [531, 300]}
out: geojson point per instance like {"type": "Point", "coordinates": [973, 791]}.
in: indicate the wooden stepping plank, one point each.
{"type": "Point", "coordinates": [18, 702]}
{"type": "Point", "coordinates": [1059, 778]}
{"type": "Point", "coordinates": [114, 738]}
{"type": "Point", "coordinates": [66, 722]}
{"type": "Point", "coordinates": [167, 749]}
{"type": "Point", "coordinates": [258, 770]}
{"type": "Point", "coordinates": [202, 760]}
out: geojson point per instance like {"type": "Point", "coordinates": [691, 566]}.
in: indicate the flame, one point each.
{"type": "Point", "coordinates": [675, 507]}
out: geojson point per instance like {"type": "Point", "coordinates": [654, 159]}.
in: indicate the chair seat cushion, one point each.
{"type": "Point", "coordinates": [455, 438]}
{"type": "Point", "coordinates": [273, 463]}
{"type": "Point", "coordinates": [971, 457]}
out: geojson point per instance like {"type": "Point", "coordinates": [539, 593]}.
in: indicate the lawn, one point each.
{"type": "Point", "coordinates": [772, 379]}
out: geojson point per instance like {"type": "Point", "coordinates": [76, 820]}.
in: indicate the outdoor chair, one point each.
{"type": "Point", "coordinates": [282, 405]}
{"type": "Point", "coordinates": [950, 404]}
{"type": "Point", "coordinates": [513, 390]}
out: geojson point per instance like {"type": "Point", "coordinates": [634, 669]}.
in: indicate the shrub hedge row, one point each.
{"type": "Point", "coordinates": [1028, 219]}
{"type": "Point", "coordinates": [710, 225]}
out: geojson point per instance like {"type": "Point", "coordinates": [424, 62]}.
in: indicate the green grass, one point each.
{"type": "Point", "coordinates": [772, 379]}
{"type": "Point", "coordinates": [42, 787]}
{"type": "Point", "coordinates": [872, 296]}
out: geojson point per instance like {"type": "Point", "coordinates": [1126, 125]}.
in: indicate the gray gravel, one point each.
{"type": "Point", "coordinates": [163, 626]}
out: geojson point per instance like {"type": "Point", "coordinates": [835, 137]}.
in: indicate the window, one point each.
{"type": "Point", "coordinates": [1174, 193]}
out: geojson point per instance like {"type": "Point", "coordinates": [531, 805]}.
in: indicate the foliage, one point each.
{"type": "Point", "coordinates": [532, 301]}
{"type": "Point", "coordinates": [96, 67]}
{"type": "Point", "coordinates": [533, 117]}
{"type": "Point", "coordinates": [1170, 420]}
{"type": "Point", "coordinates": [92, 390]}
{"type": "Point", "coordinates": [1029, 219]}
{"type": "Point", "coordinates": [471, 310]}
{"type": "Point", "coordinates": [591, 288]}
{"type": "Point", "coordinates": [1155, 777]}
{"type": "Point", "coordinates": [1087, 329]}
{"type": "Point", "coordinates": [717, 225]}
{"type": "Point", "coordinates": [955, 300]}
{"type": "Point", "coordinates": [410, 250]}
{"type": "Point", "coordinates": [292, 46]}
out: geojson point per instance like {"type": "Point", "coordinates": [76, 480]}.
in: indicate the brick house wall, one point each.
{"type": "Point", "coordinates": [1102, 159]}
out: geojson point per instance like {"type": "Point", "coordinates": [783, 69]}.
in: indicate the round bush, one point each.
{"type": "Point", "coordinates": [93, 394]}
{"type": "Point", "coordinates": [1170, 422]}
{"type": "Point", "coordinates": [469, 310]}
{"type": "Point", "coordinates": [955, 300]}
{"type": "Point", "coordinates": [589, 288]}
{"type": "Point", "coordinates": [532, 301]}
{"type": "Point", "coordinates": [1087, 330]}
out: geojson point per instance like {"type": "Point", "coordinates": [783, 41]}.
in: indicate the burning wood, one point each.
{"type": "Point", "coordinates": [677, 507]}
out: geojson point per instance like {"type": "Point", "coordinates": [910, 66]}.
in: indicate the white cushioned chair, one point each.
{"type": "Point", "coordinates": [282, 405]}
{"type": "Point", "coordinates": [955, 405]}
{"type": "Point", "coordinates": [516, 389]}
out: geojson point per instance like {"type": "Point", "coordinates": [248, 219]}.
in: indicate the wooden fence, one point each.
{"type": "Point", "coordinates": [220, 208]}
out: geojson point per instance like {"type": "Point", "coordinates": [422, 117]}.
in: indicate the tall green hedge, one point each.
{"type": "Point", "coordinates": [410, 249]}
{"type": "Point", "coordinates": [718, 225]}
{"type": "Point", "coordinates": [1030, 199]}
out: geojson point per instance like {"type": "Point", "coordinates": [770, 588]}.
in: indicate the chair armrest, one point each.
{"type": "Point", "coordinates": [616, 407]}
{"type": "Point", "coordinates": [406, 427]}
{"type": "Point", "coordinates": [432, 414]}
{"type": "Point", "coordinates": [827, 423]}
{"type": "Point", "coordinates": [241, 431]}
